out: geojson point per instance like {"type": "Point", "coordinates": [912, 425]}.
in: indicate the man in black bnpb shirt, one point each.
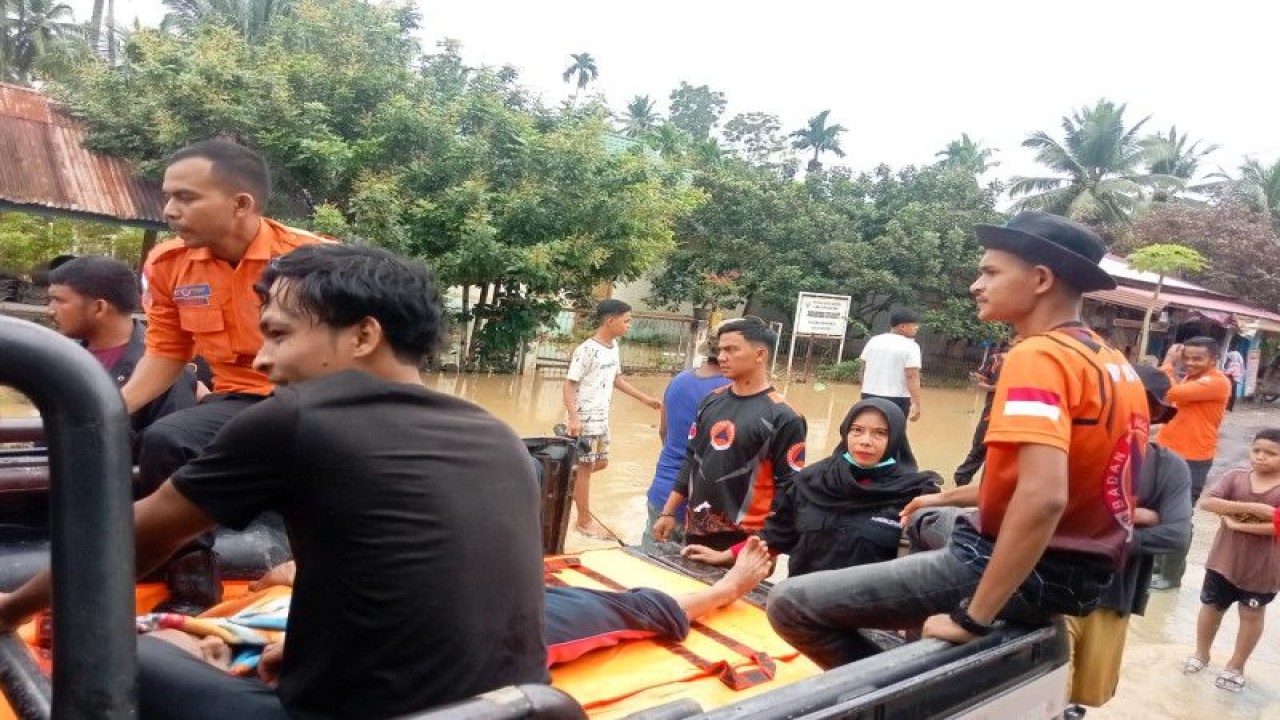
{"type": "Point", "coordinates": [412, 515]}
{"type": "Point", "coordinates": [745, 444]}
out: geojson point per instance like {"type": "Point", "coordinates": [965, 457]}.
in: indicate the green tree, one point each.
{"type": "Point", "coordinates": [968, 155]}
{"type": "Point", "coordinates": [581, 72]}
{"type": "Point", "coordinates": [1169, 154]}
{"type": "Point", "coordinates": [696, 110]}
{"type": "Point", "coordinates": [1240, 245]}
{"type": "Point", "coordinates": [251, 18]}
{"type": "Point", "coordinates": [641, 117]}
{"type": "Point", "coordinates": [1257, 185]}
{"type": "Point", "coordinates": [28, 240]}
{"type": "Point", "coordinates": [819, 137]}
{"type": "Point", "coordinates": [41, 40]}
{"type": "Point", "coordinates": [756, 137]}
{"type": "Point", "coordinates": [1098, 164]}
{"type": "Point", "coordinates": [1163, 259]}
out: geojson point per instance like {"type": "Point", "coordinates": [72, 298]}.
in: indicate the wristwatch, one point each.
{"type": "Point", "coordinates": [961, 617]}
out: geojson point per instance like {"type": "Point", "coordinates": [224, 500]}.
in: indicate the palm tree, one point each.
{"type": "Point", "coordinates": [1258, 186]}
{"type": "Point", "coordinates": [968, 155]}
{"type": "Point", "coordinates": [641, 116]}
{"type": "Point", "coordinates": [1169, 154]}
{"type": "Point", "coordinates": [95, 22]}
{"type": "Point", "coordinates": [253, 18]}
{"type": "Point", "coordinates": [819, 137]}
{"type": "Point", "coordinates": [39, 35]}
{"type": "Point", "coordinates": [584, 69]}
{"type": "Point", "coordinates": [1098, 162]}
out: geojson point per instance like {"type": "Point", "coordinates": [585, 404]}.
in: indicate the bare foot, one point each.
{"type": "Point", "coordinates": [753, 565]}
{"type": "Point", "coordinates": [595, 530]}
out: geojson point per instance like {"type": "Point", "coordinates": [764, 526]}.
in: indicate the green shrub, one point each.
{"type": "Point", "coordinates": [846, 371]}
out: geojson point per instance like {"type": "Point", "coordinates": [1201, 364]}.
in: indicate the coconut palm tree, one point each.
{"type": "Point", "coordinates": [40, 38]}
{"type": "Point", "coordinates": [819, 137]}
{"type": "Point", "coordinates": [1169, 154]}
{"type": "Point", "coordinates": [583, 69]}
{"type": "Point", "coordinates": [641, 116]}
{"type": "Point", "coordinates": [967, 154]}
{"type": "Point", "coordinates": [1099, 164]}
{"type": "Point", "coordinates": [252, 18]}
{"type": "Point", "coordinates": [1257, 185]}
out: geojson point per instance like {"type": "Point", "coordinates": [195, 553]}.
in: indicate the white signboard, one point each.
{"type": "Point", "coordinates": [818, 314]}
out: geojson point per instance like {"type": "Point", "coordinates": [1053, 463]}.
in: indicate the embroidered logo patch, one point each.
{"type": "Point", "coordinates": [192, 294]}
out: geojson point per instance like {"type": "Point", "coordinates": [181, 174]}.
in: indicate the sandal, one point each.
{"type": "Point", "coordinates": [1230, 680]}
{"type": "Point", "coordinates": [1192, 665]}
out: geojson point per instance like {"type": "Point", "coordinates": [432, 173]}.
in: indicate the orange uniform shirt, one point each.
{"type": "Point", "coordinates": [199, 305]}
{"type": "Point", "coordinates": [1067, 389]}
{"type": "Point", "coordinates": [1202, 403]}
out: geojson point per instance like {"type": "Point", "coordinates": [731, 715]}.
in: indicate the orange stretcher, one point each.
{"type": "Point", "coordinates": [732, 645]}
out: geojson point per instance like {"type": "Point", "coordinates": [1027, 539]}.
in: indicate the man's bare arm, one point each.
{"type": "Point", "coordinates": [152, 376]}
{"type": "Point", "coordinates": [621, 383]}
{"type": "Point", "coordinates": [913, 387]}
{"type": "Point", "coordinates": [163, 522]}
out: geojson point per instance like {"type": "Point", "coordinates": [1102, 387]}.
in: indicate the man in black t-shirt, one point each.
{"type": "Point", "coordinates": [745, 444]}
{"type": "Point", "coordinates": [413, 515]}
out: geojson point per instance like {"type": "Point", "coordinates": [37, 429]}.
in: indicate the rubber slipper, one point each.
{"type": "Point", "coordinates": [1230, 680]}
{"type": "Point", "coordinates": [1192, 665]}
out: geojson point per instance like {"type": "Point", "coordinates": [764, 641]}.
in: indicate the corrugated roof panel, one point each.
{"type": "Point", "coordinates": [44, 164]}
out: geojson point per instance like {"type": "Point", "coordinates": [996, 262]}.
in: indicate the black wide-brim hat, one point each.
{"type": "Point", "coordinates": [1071, 250]}
{"type": "Point", "coordinates": [1157, 385]}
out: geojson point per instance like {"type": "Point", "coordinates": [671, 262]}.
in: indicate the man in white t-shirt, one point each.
{"type": "Point", "coordinates": [596, 369]}
{"type": "Point", "coordinates": [891, 364]}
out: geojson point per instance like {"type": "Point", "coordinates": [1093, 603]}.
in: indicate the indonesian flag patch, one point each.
{"type": "Point", "coordinates": [1033, 402]}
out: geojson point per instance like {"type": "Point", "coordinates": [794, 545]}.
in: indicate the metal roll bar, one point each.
{"type": "Point", "coordinates": [91, 525]}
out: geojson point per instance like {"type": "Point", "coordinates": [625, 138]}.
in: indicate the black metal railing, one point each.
{"type": "Point", "coordinates": [94, 651]}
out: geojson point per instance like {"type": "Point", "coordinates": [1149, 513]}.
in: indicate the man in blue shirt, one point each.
{"type": "Point", "coordinates": [679, 407]}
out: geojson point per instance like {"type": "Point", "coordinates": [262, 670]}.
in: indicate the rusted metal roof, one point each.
{"type": "Point", "coordinates": [44, 166]}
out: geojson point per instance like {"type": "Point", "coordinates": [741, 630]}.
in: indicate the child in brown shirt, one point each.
{"type": "Point", "coordinates": [1244, 562]}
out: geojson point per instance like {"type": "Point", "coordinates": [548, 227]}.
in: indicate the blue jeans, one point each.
{"type": "Point", "coordinates": [820, 613]}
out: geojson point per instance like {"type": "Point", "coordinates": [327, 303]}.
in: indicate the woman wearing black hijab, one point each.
{"type": "Point", "coordinates": [843, 510]}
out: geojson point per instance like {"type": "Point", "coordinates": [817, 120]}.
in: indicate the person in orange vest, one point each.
{"type": "Point", "coordinates": [1055, 506]}
{"type": "Point", "coordinates": [199, 300]}
{"type": "Point", "coordinates": [1201, 398]}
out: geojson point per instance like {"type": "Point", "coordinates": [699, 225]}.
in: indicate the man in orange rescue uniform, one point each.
{"type": "Point", "coordinates": [1201, 398]}
{"type": "Point", "coordinates": [1068, 430]}
{"type": "Point", "coordinates": [199, 300]}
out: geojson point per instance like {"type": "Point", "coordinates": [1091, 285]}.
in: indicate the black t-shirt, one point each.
{"type": "Point", "coordinates": [413, 517]}
{"type": "Point", "coordinates": [741, 454]}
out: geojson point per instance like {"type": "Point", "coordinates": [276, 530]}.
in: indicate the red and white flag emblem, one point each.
{"type": "Point", "coordinates": [1033, 402]}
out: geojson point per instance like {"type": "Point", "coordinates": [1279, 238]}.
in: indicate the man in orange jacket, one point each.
{"type": "Point", "coordinates": [1201, 398]}
{"type": "Point", "coordinates": [199, 300]}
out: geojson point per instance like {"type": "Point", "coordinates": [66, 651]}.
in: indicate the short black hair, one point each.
{"type": "Point", "coordinates": [1203, 341]}
{"type": "Point", "coordinates": [242, 169]}
{"type": "Point", "coordinates": [610, 307]}
{"type": "Point", "coordinates": [903, 316]}
{"type": "Point", "coordinates": [1272, 434]}
{"type": "Point", "coordinates": [752, 328]}
{"type": "Point", "coordinates": [340, 285]}
{"type": "Point", "coordinates": [99, 278]}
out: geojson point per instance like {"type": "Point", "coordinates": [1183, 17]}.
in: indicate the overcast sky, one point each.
{"type": "Point", "coordinates": [904, 76]}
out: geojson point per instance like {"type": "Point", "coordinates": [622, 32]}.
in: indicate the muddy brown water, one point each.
{"type": "Point", "coordinates": [1151, 684]}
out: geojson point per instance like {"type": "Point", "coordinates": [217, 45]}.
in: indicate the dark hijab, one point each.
{"type": "Point", "coordinates": [837, 481]}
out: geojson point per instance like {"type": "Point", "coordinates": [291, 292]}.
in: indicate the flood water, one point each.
{"type": "Point", "coordinates": [1151, 684]}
